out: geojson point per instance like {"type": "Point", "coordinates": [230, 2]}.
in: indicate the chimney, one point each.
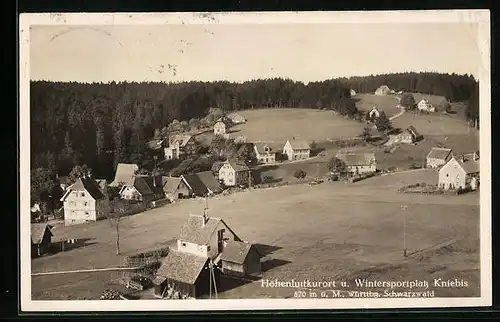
{"type": "Point", "coordinates": [462, 157]}
{"type": "Point", "coordinates": [205, 216]}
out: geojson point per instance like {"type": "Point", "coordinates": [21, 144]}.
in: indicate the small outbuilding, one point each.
{"type": "Point", "coordinates": [240, 259]}
{"type": "Point", "coordinates": [185, 274]}
{"type": "Point", "coordinates": [41, 238]}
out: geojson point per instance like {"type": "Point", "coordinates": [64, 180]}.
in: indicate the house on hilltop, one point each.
{"type": "Point", "coordinates": [125, 173]}
{"type": "Point", "coordinates": [221, 127]}
{"type": "Point", "coordinates": [358, 163]}
{"type": "Point", "coordinates": [438, 157]}
{"type": "Point", "coordinates": [425, 106]}
{"type": "Point", "coordinates": [460, 172]}
{"type": "Point", "coordinates": [84, 201]}
{"type": "Point", "coordinates": [180, 144]}
{"type": "Point", "coordinates": [234, 173]}
{"type": "Point", "coordinates": [236, 118]}
{"type": "Point", "coordinates": [297, 149]}
{"type": "Point", "coordinates": [353, 92]}
{"type": "Point", "coordinates": [383, 90]}
{"type": "Point", "coordinates": [41, 238]}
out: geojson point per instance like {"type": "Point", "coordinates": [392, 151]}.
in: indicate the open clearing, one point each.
{"type": "Point", "coordinates": [281, 124]}
{"type": "Point", "coordinates": [332, 231]}
{"type": "Point", "coordinates": [387, 103]}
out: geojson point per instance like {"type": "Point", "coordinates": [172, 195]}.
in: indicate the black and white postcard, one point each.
{"type": "Point", "coordinates": [250, 161]}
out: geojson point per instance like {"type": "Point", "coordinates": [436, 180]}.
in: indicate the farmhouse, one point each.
{"type": "Point", "coordinates": [358, 163]}
{"type": "Point", "coordinates": [179, 144]}
{"type": "Point", "coordinates": [438, 157]}
{"type": "Point", "coordinates": [205, 236]}
{"type": "Point", "coordinates": [84, 201]}
{"type": "Point", "coordinates": [186, 274]}
{"type": "Point", "coordinates": [425, 106]}
{"type": "Point", "coordinates": [265, 153]}
{"type": "Point", "coordinates": [460, 172]}
{"type": "Point", "coordinates": [41, 238]}
{"type": "Point", "coordinates": [176, 188]}
{"type": "Point", "coordinates": [382, 90]}
{"type": "Point", "coordinates": [240, 259]}
{"type": "Point", "coordinates": [234, 173]}
{"type": "Point", "coordinates": [125, 173]}
{"type": "Point", "coordinates": [297, 150]}
{"type": "Point", "coordinates": [143, 188]}
{"type": "Point", "coordinates": [353, 92]}
{"type": "Point", "coordinates": [221, 127]}
{"type": "Point", "coordinates": [236, 118]}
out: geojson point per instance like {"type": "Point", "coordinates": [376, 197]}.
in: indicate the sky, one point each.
{"type": "Point", "coordinates": [302, 52]}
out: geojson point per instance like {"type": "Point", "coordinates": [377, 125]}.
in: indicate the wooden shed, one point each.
{"type": "Point", "coordinates": [186, 274]}
{"type": "Point", "coordinates": [41, 238]}
{"type": "Point", "coordinates": [240, 259]}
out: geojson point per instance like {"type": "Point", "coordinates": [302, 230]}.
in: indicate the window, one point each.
{"type": "Point", "coordinates": [184, 244]}
{"type": "Point", "coordinates": [72, 203]}
{"type": "Point", "coordinates": [208, 248]}
{"type": "Point", "coordinates": [85, 204]}
{"type": "Point", "coordinates": [87, 214]}
{"type": "Point", "coordinates": [82, 194]}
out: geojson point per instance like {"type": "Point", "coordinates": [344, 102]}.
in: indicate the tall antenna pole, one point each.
{"type": "Point", "coordinates": [404, 208]}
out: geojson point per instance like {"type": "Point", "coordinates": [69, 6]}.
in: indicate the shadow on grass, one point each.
{"type": "Point", "coordinates": [315, 151]}
{"type": "Point", "coordinates": [273, 263]}
{"type": "Point", "coordinates": [233, 131]}
{"type": "Point", "coordinates": [228, 282]}
{"type": "Point", "coordinates": [68, 245]}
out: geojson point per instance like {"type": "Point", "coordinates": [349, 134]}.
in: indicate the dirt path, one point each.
{"type": "Point", "coordinates": [397, 115]}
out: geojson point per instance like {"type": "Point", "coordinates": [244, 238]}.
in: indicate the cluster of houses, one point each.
{"type": "Point", "coordinates": [455, 172]}
{"type": "Point", "coordinates": [385, 90]}
{"type": "Point", "coordinates": [205, 248]}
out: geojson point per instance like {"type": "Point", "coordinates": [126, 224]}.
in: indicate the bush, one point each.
{"type": "Point", "coordinates": [300, 174]}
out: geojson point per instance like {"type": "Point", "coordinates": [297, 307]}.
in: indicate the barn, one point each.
{"type": "Point", "coordinates": [438, 157]}
{"type": "Point", "coordinates": [41, 238]}
{"type": "Point", "coordinates": [240, 259]}
{"type": "Point", "coordinates": [186, 274]}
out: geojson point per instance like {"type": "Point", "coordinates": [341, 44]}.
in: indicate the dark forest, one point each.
{"type": "Point", "coordinates": [102, 124]}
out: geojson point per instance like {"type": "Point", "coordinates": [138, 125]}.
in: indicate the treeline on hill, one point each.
{"type": "Point", "coordinates": [103, 124]}
{"type": "Point", "coordinates": [455, 88]}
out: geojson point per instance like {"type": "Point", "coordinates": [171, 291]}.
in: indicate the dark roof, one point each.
{"type": "Point", "coordinates": [88, 184]}
{"type": "Point", "coordinates": [236, 252]}
{"type": "Point", "coordinates": [469, 164]}
{"type": "Point", "coordinates": [170, 184]}
{"type": "Point", "coordinates": [210, 181]}
{"type": "Point", "coordinates": [182, 139]}
{"type": "Point", "coordinates": [147, 185]}
{"type": "Point", "coordinates": [413, 131]}
{"type": "Point", "coordinates": [181, 267]}
{"type": "Point", "coordinates": [197, 186]}
{"type": "Point", "coordinates": [38, 231]}
{"type": "Point", "coordinates": [439, 153]}
{"type": "Point", "coordinates": [194, 231]}
{"type": "Point", "coordinates": [299, 145]}
{"type": "Point", "coordinates": [238, 165]}
{"type": "Point", "coordinates": [260, 146]}
{"type": "Point", "coordinates": [360, 159]}
{"type": "Point", "coordinates": [125, 173]}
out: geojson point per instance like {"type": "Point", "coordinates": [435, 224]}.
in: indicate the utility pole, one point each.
{"type": "Point", "coordinates": [404, 208]}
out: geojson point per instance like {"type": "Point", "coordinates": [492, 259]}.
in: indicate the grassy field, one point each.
{"type": "Point", "coordinates": [281, 124]}
{"type": "Point", "coordinates": [387, 103]}
{"type": "Point", "coordinates": [332, 231]}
